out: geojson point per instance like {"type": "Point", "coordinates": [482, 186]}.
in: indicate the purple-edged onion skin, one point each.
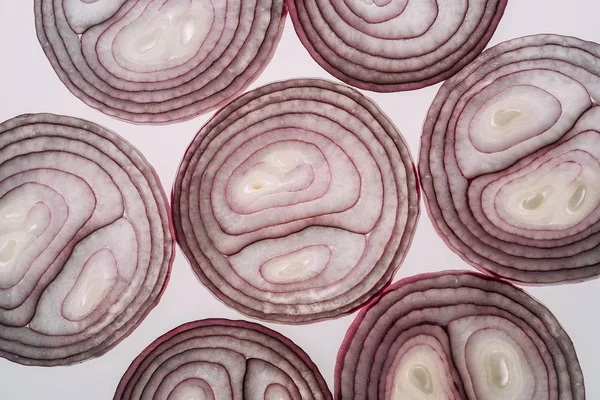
{"type": "Point", "coordinates": [151, 61]}
{"type": "Point", "coordinates": [297, 202]}
{"type": "Point", "coordinates": [457, 335]}
{"type": "Point", "coordinates": [222, 359]}
{"type": "Point", "coordinates": [85, 240]}
{"type": "Point", "coordinates": [394, 45]}
{"type": "Point", "coordinates": [510, 160]}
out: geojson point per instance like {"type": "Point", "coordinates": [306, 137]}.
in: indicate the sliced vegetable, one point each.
{"type": "Point", "coordinates": [85, 240]}
{"type": "Point", "coordinates": [157, 61]}
{"type": "Point", "coordinates": [297, 202]}
{"type": "Point", "coordinates": [394, 45]}
{"type": "Point", "coordinates": [223, 359]}
{"type": "Point", "coordinates": [457, 335]}
{"type": "Point", "coordinates": [510, 160]}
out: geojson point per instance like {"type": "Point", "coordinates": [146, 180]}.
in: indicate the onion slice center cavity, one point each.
{"type": "Point", "coordinates": [297, 202]}
{"type": "Point", "coordinates": [85, 240]}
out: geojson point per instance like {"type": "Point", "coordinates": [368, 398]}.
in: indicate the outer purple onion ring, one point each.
{"type": "Point", "coordinates": [85, 241]}
{"type": "Point", "coordinates": [395, 45]}
{"type": "Point", "coordinates": [510, 160]}
{"type": "Point", "coordinates": [457, 335]}
{"type": "Point", "coordinates": [158, 61]}
{"type": "Point", "coordinates": [223, 359]}
{"type": "Point", "coordinates": [297, 202]}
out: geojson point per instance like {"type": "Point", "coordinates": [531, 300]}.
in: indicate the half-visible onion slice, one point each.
{"type": "Point", "coordinates": [85, 241]}
{"type": "Point", "coordinates": [297, 202]}
{"type": "Point", "coordinates": [221, 359]}
{"type": "Point", "coordinates": [457, 335]}
{"type": "Point", "coordinates": [158, 61]}
{"type": "Point", "coordinates": [394, 45]}
{"type": "Point", "coordinates": [510, 160]}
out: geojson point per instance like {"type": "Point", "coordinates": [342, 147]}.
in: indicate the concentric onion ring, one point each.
{"type": "Point", "coordinates": [394, 45]}
{"type": "Point", "coordinates": [457, 335]}
{"type": "Point", "coordinates": [85, 241]}
{"type": "Point", "coordinates": [510, 160]}
{"type": "Point", "coordinates": [158, 61]}
{"type": "Point", "coordinates": [297, 202]}
{"type": "Point", "coordinates": [221, 359]}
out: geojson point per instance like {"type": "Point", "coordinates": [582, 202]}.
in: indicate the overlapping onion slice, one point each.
{"type": "Point", "coordinates": [158, 61]}
{"type": "Point", "coordinates": [222, 359]}
{"type": "Point", "coordinates": [457, 335]}
{"type": "Point", "coordinates": [394, 45]}
{"type": "Point", "coordinates": [297, 202]}
{"type": "Point", "coordinates": [510, 160]}
{"type": "Point", "coordinates": [85, 240]}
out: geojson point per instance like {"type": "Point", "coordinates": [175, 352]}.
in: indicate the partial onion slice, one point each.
{"type": "Point", "coordinates": [394, 45]}
{"type": "Point", "coordinates": [457, 335]}
{"type": "Point", "coordinates": [85, 241]}
{"type": "Point", "coordinates": [218, 359]}
{"type": "Point", "coordinates": [157, 61]}
{"type": "Point", "coordinates": [510, 160]}
{"type": "Point", "coordinates": [297, 202]}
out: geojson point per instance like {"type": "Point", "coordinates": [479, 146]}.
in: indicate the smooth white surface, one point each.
{"type": "Point", "coordinates": [28, 85]}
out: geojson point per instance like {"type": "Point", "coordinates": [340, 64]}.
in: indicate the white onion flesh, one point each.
{"type": "Point", "coordinates": [158, 61]}
{"type": "Point", "coordinates": [396, 45]}
{"type": "Point", "coordinates": [456, 335]}
{"type": "Point", "coordinates": [296, 202]}
{"type": "Point", "coordinates": [85, 240]}
{"type": "Point", "coordinates": [221, 359]}
{"type": "Point", "coordinates": [510, 160]}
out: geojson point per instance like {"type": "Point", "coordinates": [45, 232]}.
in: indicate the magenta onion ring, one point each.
{"type": "Point", "coordinates": [510, 160]}
{"type": "Point", "coordinates": [397, 45]}
{"type": "Point", "coordinates": [297, 202]}
{"type": "Point", "coordinates": [85, 241]}
{"type": "Point", "coordinates": [158, 61]}
{"type": "Point", "coordinates": [223, 359]}
{"type": "Point", "coordinates": [457, 335]}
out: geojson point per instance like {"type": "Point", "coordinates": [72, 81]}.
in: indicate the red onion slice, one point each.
{"type": "Point", "coordinates": [510, 160]}
{"type": "Point", "coordinates": [85, 241]}
{"type": "Point", "coordinates": [158, 61]}
{"type": "Point", "coordinates": [297, 202]}
{"type": "Point", "coordinates": [457, 335]}
{"type": "Point", "coordinates": [222, 359]}
{"type": "Point", "coordinates": [394, 45]}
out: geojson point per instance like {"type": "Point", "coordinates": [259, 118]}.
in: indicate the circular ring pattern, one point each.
{"type": "Point", "coordinates": [85, 240]}
{"type": "Point", "coordinates": [394, 45]}
{"type": "Point", "coordinates": [297, 202]}
{"type": "Point", "coordinates": [158, 61]}
{"type": "Point", "coordinates": [510, 160]}
{"type": "Point", "coordinates": [457, 335]}
{"type": "Point", "coordinates": [223, 359]}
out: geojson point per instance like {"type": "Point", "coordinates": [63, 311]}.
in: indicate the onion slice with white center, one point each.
{"type": "Point", "coordinates": [297, 202]}
{"type": "Point", "coordinates": [457, 335]}
{"type": "Point", "coordinates": [85, 240]}
{"type": "Point", "coordinates": [510, 160]}
{"type": "Point", "coordinates": [394, 45]}
{"type": "Point", "coordinates": [158, 61]}
{"type": "Point", "coordinates": [218, 359]}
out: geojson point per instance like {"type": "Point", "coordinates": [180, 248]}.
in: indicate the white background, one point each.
{"type": "Point", "coordinates": [28, 85]}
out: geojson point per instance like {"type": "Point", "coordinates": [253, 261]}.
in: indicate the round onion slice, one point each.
{"type": "Point", "coordinates": [394, 45]}
{"type": "Point", "coordinates": [510, 160]}
{"type": "Point", "coordinates": [85, 241]}
{"type": "Point", "coordinates": [221, 359]}
{"type": "Point", "coordinates": [456, 335]}
{"type": "Point", "coordinates": [297, 202]}
{"type": "Point", "coordinates": [158, 61]}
